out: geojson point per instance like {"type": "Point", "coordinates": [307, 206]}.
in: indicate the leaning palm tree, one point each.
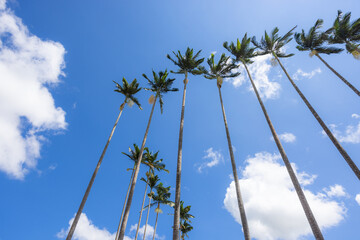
{"type": "Point", "coordinates": [152, 181]}
{"type": "Point", "coordinates": [162, 197]}
{"type": "Point", "coordinates": [187, 64]}
{"type": "Point", "coordinates": [223, 69]}
{"type": "Point", "coordinates": [159, 85]}
{"type": "Point", "coordinates": [345, 32]}
{"type": "Point", "coordinates": [272, 45]}
{"type": "Point", "coordinates": [154, 164]}
{"type": "Point", "coordinates": [244, 53]}
{"type": "Point", "coordinates": [185, 228]}
{"type": "Point", "coordinates": [128, 90]}
{"type": "Point", "coordinates": [134, 156]}
{"type": "Point", "coordinates": [314, 42]}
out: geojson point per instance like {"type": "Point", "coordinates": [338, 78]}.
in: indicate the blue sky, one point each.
{"type": "Point", "coordinates": [57, 107]}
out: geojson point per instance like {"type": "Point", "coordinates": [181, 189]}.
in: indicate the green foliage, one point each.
{"type": "Point", "coordinates": [134, 154]}
{"type": "Point", "coordinates": [162, 195]}
{"type": "Point", "coordinates": [150, 159]}
{"type": "Point", "coordinates": [187, 63]}
{"type": "Point", "coordinates": [184, 212]}
{"type": "Point", "coordinates": [242, 51]}
{"type": "Point", "coordinates": [129, 90]}
{"type": "Point", "coordinates": [160, 84]}
{"type": "Point", "coordinates": [185, 227]}
{"type": "Point", "coordinates": [273, 43]}
{"type": "Point", "coordinates": [344, 31]}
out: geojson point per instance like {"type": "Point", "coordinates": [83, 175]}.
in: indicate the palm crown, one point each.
{"type": "Point", "coordinates": [314, 40]}
{"type": "Point", "coordinates": [152, 161]}
{"type": "Point", "coordinates": [242, 51]}
{"type": "Point", "coordinates": [129, 90]}
{"type": "Point", "coordinates": [185, 227]}
{"type": "Point", "coordinates": [160, 84]}
{"type": "Point", "coordinates": [187, 63]}
{"type": "Point", "coordinates": [220, 70]}
{"type": "Point", "coordinates": [184, 212]}
{"type": "Point", "coordinates": [134, 154]}
{"type": "Point", "coordinates": [162, 196]}
{"type": "Point", "coordinates": [344, 31]}
{"type": "Point", "coordinates": [151, 181]}
{"type": "Point", "coordinates": [273, 43]}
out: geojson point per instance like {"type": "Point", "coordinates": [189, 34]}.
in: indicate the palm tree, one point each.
{"type": "Point", "coordinates": [134, 156]}
{"type": "Point", "coordinates": [185, 217]}
{"type": "Point", "coordinates": [243, 53]}
{"type": "Point", "coordinates": [160, 85]}
{"type": "Point", "coordinates": [272, 45]}
{"type": "Point", "coordinates": [314, 42]}
{"type": "Point", "coordinates": [128, 90]}
{"type": "Point", "coordinates": [152, 181]}
{"type": "Point", "coordinates": [343, 31]}
{"type": "Point", "coordinates": [185, 228]}
{"type": "Point", "coordinates": [187, 64]}
{"type": "Point", "coordinates": [162, 197]}
{"type": "Point", "coordinates": [154, 164]}
{"type": "Point", "coordinates": [219, 71]}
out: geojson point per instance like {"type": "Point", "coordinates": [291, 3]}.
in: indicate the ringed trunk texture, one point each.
{"type": "Point", "coordinates": [122, 212]}
{"type": "Point", "coordinates": [347, 158]}
{"type": "Point", "coordinates": [339, 76]}
{"type": "Point", "coordinates": [236, 178]}
{"type": "Point", "coordinates": [305, 205]}
{"type": "Point", "coordinates": [147, 217]}
{"type": "Point", "coordinates": [82, 204]}
{"type": "Point", "coordinates": [137, 169]}
{"type": "Point", "coordinates": [142, 207]}
{"type": "Point", "coordinates": [176, 226]}
{"type": "Point", "coordinates": [156, 221]}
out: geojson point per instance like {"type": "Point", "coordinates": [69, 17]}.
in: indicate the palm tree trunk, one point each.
{"type": "Point", "coordinates": [236, 178]}
{"type": "Point", "coordinates": [126, 197]}
{"type": "Point", "coordinates": [157, 215]}
{"type": "Point", "coordinates": [339, 76]}
{"type": "Point", "coordinates": [142, 207]}
{"type": "Point", "coordinates": [128, 204]}
{"type": "Point", "coordinates": [82, 204]}
{"type": "Point", "coordinates": [309, 215]}
{"type": "Point", "coordinates": [147, 217]}
{"type": "Point", "coordinates": [178, 169]}
{"type": "Point", "coordinates": [347, 158]}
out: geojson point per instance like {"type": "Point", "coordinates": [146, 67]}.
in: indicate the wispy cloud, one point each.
{"type": "Point", "coordinates": [286, 137]}
{"type": "Point", "coordinates": [213, 158]}
{"type": "Point", "coordinates": [357, 198]}
{"type": "Point", "coordinates": [350, 134]}
{"type": "Point", "coordinates": [28, 67]}
{"type": "Point", "coordinates": [300, 73]}
{"type": "Point", "coordinates": [267, 192]}
{"type": "Point", "coordinates": [335, 191]}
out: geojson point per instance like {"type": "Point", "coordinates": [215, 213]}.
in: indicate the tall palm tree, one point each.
{"type": "Point", "coordinates": [219, 71]}
{"type": "Point", "coordinates": [272, 45]}
{"type": "Point", "coordinates": [159, 85]}
{"type": "Point", "coordinates": [244, 53]}
{"type": "Point", "coordinates": [128, 90]}
{"type": "Point", "coordinates": [134, 156]}
{"type": "Point", "coordinates": [314, 42]}
{"type": "Point", "coordinates": [154, 164]}
{"type": "Point", "coordinates": [185, 228]}
{"type": "Point", "coordinates": [187, 64]}
{"type": "Point", "coordinates": [344, 31]}
{"type": "Point", "coordinates": [162, 197]}
{"type": "Point", "coordinates": [152, 181]}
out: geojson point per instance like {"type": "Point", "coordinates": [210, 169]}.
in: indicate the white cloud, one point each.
{"type": "Point", "coordinates": [149, 232]}
{"type": "Point", "coordinates": [351, 134]}
{"type": "Point", "coordinates": [28, 67]}
{"type": "Point", "coordinates": [286, 137]}
{"type": "Point", "coordinates": [357, 198]}
{"type": "Point", "coordinates": [271, 203]}
{"type": "Point", "coordinates": [354, 115]}
{"type": "Point", "coordinates": [309, 75]}
{"type": "Point", "coordinates": [215, 157]}
{"type": "Point", "coordinates": [335, 191]}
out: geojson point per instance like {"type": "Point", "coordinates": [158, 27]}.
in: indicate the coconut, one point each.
{"type": "Point", "coordinates": [219, 81]}
{"type": "Point", "coordinates": [158, 210]}
{"type": "Point", "coordinates": [356, 54]}
{"type": "Point", "coordinates": [312, 53]}
{"type": "Point", "coordinates": [273, 62]}
{"type": "Point", "coordinates": [130, 103]}
{"type": "Point", "coordinates": [186, 81]}
{"type": "Point", "coordinates": [151, 99]}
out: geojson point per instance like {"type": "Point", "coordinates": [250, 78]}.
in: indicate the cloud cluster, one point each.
{"type": "Point", "coordinates": [214, 158]}
{"type": "Point", "coordinates": [149, 232]}
{"type": "Point", "coordinates": [351, 133]}
{"type": "Point", "coordinates": [286, 137]}
{"type": "Point", "coordinates": [308, 75]}
{"type": "Point", "coordinates": [271, 203]}
{"type": "Point", "coordinates": [335, 191]}
{"type": "Point", "coordinates": [29, 66]}
{"type": "Point", "coordinates": [259, 71]}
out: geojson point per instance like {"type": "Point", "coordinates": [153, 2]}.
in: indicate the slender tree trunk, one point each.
{"type": "Point", "coordinates": [339, 76]}
{"type": "Point", "coordinates": [236, 178]}
{"type": "Point", "coordinates": [347, 158]}
{"type": "Point", "coordinates": [157, 215]}
{"type": "Point", "coordinates": [178, 169]}
{"type": "Point", "coordinates": [126, 197]}
{"type": "Point", "coordinates": [128, 204]}
{"type": "Point", "coordinates": [82, 204]}
{"type": "Point", "coordinates": [142, 207]}
{"type": "Point", "coordinates": [309, 215]}
{"type": "Point", "coordinates": [147, 217]}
